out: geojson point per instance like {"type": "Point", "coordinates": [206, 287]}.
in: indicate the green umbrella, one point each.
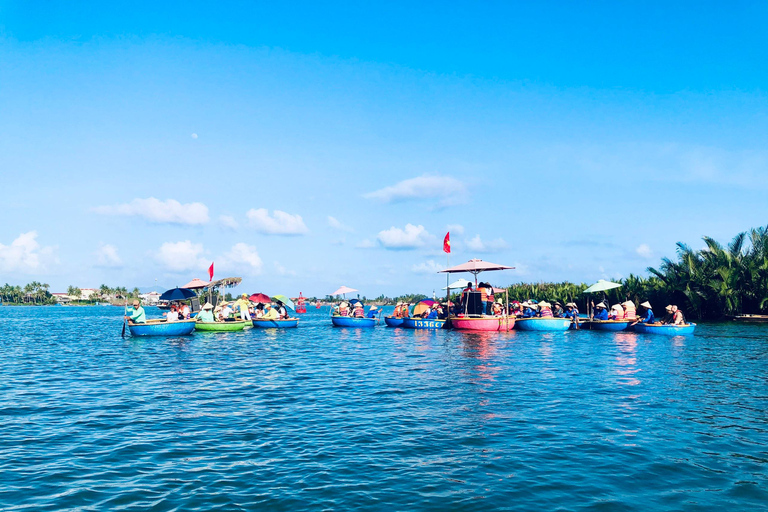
{"type": "Point", "coordinates": [285, 300]}
{"type": "Point", "coordinates": [601, 285]}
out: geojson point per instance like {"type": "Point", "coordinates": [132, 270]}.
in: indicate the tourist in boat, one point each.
{"type": "Point", "coordinates": [405, 311]}
{"type": "Point", "coordinates": [677, 316]}
{"type": "Point", "coordinates": [648, 317]}
{"type": "Point", "coordinates": [372, 312]}
{"type": "Point", "coordinates": [669, 317]}
{"type": "Point", "coordinates": [528, 310]}
{"type": "Point", "coordinates": [206, 314]}
{"type": "Point", "coordinates": [242, 305]}
{"type": "Point", "coordinates": [359, 311]}
{"type": "Point", "coordinates": [172, 315]}
{"type": "Point", "coordinates": [516, 309]}
{"type": "Point", "coordinates": [271, 313]}
{"type": "Point", "coordinates": [629, 310]}
{"type": "Point", "coordinates": [224, 312]}
{"type": "Point", "coordinates": [617, 312]}
{"type": "Point", "coordinates": [545, 309]}
{"type": "Point", "coordinates": [570, 310]}
{"type": "Point", "coordinates": [432, 312]}
{"type": "Point", "coordinates": [258, 311]}
{"type": "Point", "coordinates": [600, 312]}
{"type": "Point", "coordinates": [486, 298]}
{"type": "Point", "coordinates": [557, 310]}
{"type": "Point", "coordinates": [137, 314]}
{"type": "Point", "coordinates": [498, 308]}
{"type": "Point", "coordinates": [344, 309]}
{"type": "Point", "coordinates": [465, 296]}
{"type": "Point", "coordinates": [184, 312]}
{"type": "Point", "coordinates": [282, 311]}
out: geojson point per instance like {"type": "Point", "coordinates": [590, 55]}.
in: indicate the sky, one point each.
{"type": "Point", "coordinates": [309, 145]}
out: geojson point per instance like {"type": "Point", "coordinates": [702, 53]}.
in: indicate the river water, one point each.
{"type": "Point", "coordinates": [382, 419]}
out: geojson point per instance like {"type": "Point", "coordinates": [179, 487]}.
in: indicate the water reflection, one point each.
{"type": "Point", "coordinates": [627, 358]}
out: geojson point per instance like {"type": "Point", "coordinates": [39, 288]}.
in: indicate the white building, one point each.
{"type": "Point", "coordinates": [150, 299]}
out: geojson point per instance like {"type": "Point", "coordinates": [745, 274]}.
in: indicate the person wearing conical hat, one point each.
{"type": "Point", "coordinates": [557, 310]}
{"type": "Point", "coordinates": [670, 316]}
{"type": "Point", "coordinates": [528, 311]}
{"type": "Point", "coordinates": [648, 317]}
{"type": "Point", "coordinates": [206, 314]}
{"type": "Point", "coordinates": [600, 312]}
{"type": "Point", "coordinates": [617, 312]}
{"type": "Point", "coordinates": [545, 309]}
{"type": "Point", "coordinates": [629, 310]}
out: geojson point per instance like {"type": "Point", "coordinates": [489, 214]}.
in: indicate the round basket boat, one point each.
{"type": "Point", "coordinates": [393, 322]}
{"type": "Point", "coordinates": [424, 323]}
{"type": "Point", "coordinates": [666, 330]}
{"type": "Point", "coordinates": [482, 323]}
{"type": "Point", "coordinates": [288, 323]}
{"type": "Point", "coordinates": [347, 321]}
{"type": "Point", "coordinates": [162, 328]}
{"type": "Point", "coordinates": [238, 325]}
{"type": "Point", "coordinates": [543, 324]}
{"type": "Point", "coordinates": [608, 325]}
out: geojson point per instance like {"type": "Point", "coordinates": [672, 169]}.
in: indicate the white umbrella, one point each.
{"type": "Point", "coordinates": [457, 285]}
{"type": "Point", "coordinates": [601, 285]}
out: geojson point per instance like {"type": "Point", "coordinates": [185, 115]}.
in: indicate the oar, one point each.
{"type": "Point", "coordinates": [125, 312]}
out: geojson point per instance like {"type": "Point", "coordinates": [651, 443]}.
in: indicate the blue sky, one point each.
{"type": "Point", "coordinates": [306, 146]}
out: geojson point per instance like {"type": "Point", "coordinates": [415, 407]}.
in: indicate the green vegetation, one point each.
{"type": "Point", "coordinates": [32, 293]}
{"type": "Point", "coordinates": [711, 283]}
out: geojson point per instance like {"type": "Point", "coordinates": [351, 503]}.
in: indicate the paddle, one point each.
{"type": "Point", "coordinates": [125, 312]}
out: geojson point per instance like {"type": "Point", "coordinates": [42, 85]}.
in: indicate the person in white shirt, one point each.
{"type": "Point", "coordinates": [225, 312]}
{"type": "Point", "coordinates": [185, 311]}
{"type": "Point", "coordinates": [172, 315]}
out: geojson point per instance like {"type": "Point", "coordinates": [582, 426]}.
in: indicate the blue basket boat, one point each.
{"type": "Point", "coordinates": [608, 325]}
{"type": "Point", "coordinates": [393, 322]}
{"type": "Point", "coordinates": [423, 323]}
{"type": "Point", "coordinates": [162, 328]}
{"type": "Point", "coordinates": [543, 324]}
{"type": "Point", "coordinates": [348, 321]}
{"type": "Point", "coordinates": [666, 330]}
{"type": "Point", "coordinates": [288, 323]}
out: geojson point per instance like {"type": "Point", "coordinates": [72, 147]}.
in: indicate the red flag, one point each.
{"type": "Point", "coordinates": [447, 243]}
{"type": "Point", "coordinates": [210, 272]}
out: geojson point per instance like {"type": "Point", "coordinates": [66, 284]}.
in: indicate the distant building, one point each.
{"type": "Point", "coordinates": [150, 299]}
{"type": "Point", "coordinates": [88, 293]}
{"type": "Point", "coordinates": [62, 298]}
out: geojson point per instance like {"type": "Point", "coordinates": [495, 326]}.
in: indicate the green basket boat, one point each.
{"type": "Point", "coordinates": [238, 325]}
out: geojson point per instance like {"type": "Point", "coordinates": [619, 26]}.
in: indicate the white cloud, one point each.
{"type": "Point", "coordinates": [106, 256]}
{"type": "Point", "coordinates": [411, 237]}
{"type": "Point", "coordinates": [280, 223]}
{"type": "Point", "coordinates": [476, 244]}
{"type": "Point", "coordinates": [336, 224]}
{"type": "Point", "coordinates": [194, 135]}
{"type": "Point", "coordinates": [228, 222]}
{"type": "Point", "coordinates": [242, 258]}
{"type": "Point", "coordinates": [25, 255]}
{"type": "Point", "coordinates": [449, 191]}
{"type": "Point", "coordinates": [366, 244]}
{"type": "Point", "coordinates": [281, 270]}
{"type": "Point", "coordinates": [427, 267]}
{"type": "Point", "coordinates": [644, 251]}
{"type": "Point", "coordinates": [457, 229]}
{"type": "Point", "coordinates": [163, 212]}
{"type": "Point", "coordinates": [181, 256]}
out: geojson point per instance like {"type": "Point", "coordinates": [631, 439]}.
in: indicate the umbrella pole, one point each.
{"type": "Point", "coordinates": [506, 311]}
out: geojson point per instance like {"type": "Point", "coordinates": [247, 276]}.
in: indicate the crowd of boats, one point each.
{"type": "Point", "coordinates": [476, 310]}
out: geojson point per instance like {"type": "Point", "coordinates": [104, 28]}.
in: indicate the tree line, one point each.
{"type": "Point", "coordinates": [714, 282]}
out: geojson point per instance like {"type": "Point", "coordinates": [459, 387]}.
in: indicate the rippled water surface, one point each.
{"type": "Point", "coordinates": [342, 419]}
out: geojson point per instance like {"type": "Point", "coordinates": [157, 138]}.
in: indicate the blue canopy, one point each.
{"type": "Point", "coordinates": [177, 294]}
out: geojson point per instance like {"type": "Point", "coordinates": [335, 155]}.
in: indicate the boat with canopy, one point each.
{"type": "Point", "coordinates": [350, 321]}
{"type": "Point", "coordinates": [470, 318]}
